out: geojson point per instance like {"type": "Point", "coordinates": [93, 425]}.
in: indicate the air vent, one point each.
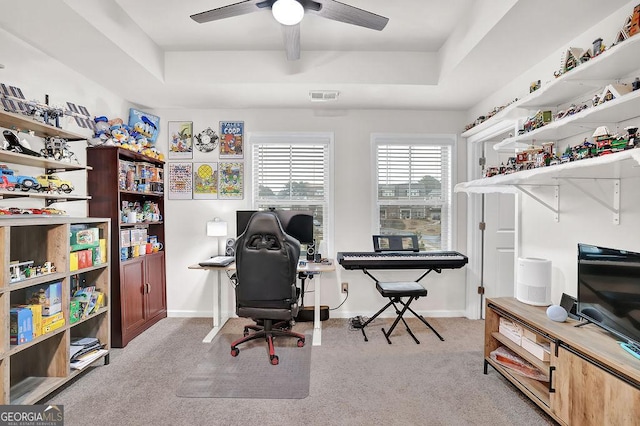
{"type": "Point", "coordinates": [323, 95]}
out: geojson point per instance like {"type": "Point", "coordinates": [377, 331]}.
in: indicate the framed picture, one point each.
{"type": "Point", "coordinates": [205, 181]}
{"type": "Point", "coordinates": [231, 139]}
{"type": "Point", "coordinates": [180, 139]}
{"type": "Point", "coordinates": [148, 125]}
{"type": "Point", "coordinates": [206, 140]}
{"type": "Point", "coordinates": [231, 181]}
{"type": "Point", "coordinates": [180, 181]}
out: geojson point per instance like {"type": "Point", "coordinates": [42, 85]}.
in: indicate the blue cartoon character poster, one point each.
{"type": "Point", "coordinates": [145, 124]}
{"type": "Point", "coordinates": [231, 139]}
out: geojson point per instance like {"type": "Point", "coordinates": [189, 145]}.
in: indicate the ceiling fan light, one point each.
{"type": "Point", "coordinates": [287, 12]}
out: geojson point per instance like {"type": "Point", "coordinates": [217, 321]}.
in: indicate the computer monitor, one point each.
{"type": "Point", "coordinates": [297, 223]}
{"type": "Point", "coordinates": [242, 220]}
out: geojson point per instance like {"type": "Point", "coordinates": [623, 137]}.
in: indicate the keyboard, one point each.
{"type": "Point", "coordinates": [218, 261]}
{"type": "Point", "coordinates": [402, 260]}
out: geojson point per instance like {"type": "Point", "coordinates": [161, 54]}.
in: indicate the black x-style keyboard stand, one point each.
{"type": "Point", "coordinates": [412, 290]}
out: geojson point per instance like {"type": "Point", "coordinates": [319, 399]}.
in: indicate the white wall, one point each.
{"type": "Point", "coordinates": [37, 75]}
{"type": "Point", "coordinates": [581, 218]}
{"type": "Point", "coordinates": [189, 292]}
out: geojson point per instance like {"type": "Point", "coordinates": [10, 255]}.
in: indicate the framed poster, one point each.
{"type": "Point", "coordinates": [231, 139]}
{"type": "Point", "coordinates": [148, 125]}
{"type": "Point", "coordinates": [231, 181]}
{"type": "Point", "coordinates": [206, 140]}
{"type": "Point", "coordinates": [180, 139]}
{"type": "Point", "coordinates": [180, 181]}
{"type": "Point", "coordinates": [205, 181]}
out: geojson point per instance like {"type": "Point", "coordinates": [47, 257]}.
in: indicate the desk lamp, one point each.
{"type": "Point", "coordinates": [217, 228]}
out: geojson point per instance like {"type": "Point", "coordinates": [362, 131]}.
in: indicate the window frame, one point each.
{"type": "Point", "coordinates": [416, 139]}
{"type": "Point", "coordinates": [299, 138]}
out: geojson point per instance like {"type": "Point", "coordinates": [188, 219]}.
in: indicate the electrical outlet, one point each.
{"type": "Point", "coordinates": [345, 287]}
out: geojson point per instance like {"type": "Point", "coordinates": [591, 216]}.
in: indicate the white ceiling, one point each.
{"type": "Point", "coordinates": [433, 54]}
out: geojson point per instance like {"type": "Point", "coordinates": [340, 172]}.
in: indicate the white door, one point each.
{"type": "Point", "coordinates": [492, 251]}
{"type": "Point", "coordinates": [499, 237]}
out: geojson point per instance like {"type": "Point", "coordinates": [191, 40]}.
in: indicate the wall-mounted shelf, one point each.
{"type": "Point", "coordinates": [611, 167]}
{"type": "Point", "coordinates": [618, 165]}
{"type": "Point", "coordinates": [611, 65]}
{"type": "Point", "coordinates": [614, 111]}
{"type": "Point", "coordinates": [22, 123]}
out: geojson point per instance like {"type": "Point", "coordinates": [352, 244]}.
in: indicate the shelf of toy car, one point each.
{"type": "Point", "coordinates": [614, 111]}
{"type": "Point", "coordinates": [618, 165]}
{"type": "Point", "coordinates": [41, 195]}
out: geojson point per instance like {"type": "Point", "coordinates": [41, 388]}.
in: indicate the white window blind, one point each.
{"type": "Point", "coordinates": [286, 173]}
{"type": "Point", "coordinates": [414, 188]}
{"type": "Point", "coordinates": [292, 172]}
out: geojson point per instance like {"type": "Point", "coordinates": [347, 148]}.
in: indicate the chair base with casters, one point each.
{"type": "Point", "coordinates": [395, 291]}
{"type": "Point", "coordinates": [268, 331]}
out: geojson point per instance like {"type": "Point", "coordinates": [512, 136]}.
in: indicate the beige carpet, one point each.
{"type": "Point", "coordinates": [250, 374]}
{"type": "Point", "coordinates": [353, 383]}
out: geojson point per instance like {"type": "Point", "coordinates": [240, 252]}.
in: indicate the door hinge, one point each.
{"type": "Point", "coordinates": [482, 161]}
{"type": "Point", "coordinates": [480, 290]}
{"type": "Point", "coordinates": [482, 226]}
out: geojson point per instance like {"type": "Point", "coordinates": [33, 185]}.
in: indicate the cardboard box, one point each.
{"type": "Point", "coordinates": [75, 310]}
{"type": "Point", "coordinates": [125, 238]}
{"type": "Point", "coordinates": [85, 259]}
{"type": "Point", "coordinates": [103, 251]}
{"type": "Point", "coordinates": [511, 330]}
{"type": "Point", "coordinates": [96, 255]}
{"type": "Point", "coordinates": [48, 319]}
{"type": "Point", "coordinates": [50, 297]}
{"type": "Point", "coordinates": [538, 350]}
{"type": "Point", "coordinates": [83, 238]}
{"type": "Point", "coordinates": [36, 312]}
{"type": "Point", "coordinates": [73, 261]}
{"type": "Point", "coordinates": [53, 326]}
{"type": "Point", "coordinates": [21, 326]}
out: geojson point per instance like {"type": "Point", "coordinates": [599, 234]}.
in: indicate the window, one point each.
{"type": "Point", "coordinates": [291, 172]}
{"type": "Point", "coordinates": [413, 187]}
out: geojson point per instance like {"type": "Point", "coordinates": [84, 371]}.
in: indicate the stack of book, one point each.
{"type": "Point", "coordinates": [85, 350]}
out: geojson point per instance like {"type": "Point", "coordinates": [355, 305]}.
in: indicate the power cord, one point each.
{"type": "Point", "coordinates": [341, 303]}
{"type": "Point", "coordinates": [356, 323]}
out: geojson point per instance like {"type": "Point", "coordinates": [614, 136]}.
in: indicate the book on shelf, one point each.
{"type": "Point", "coordinates": [88, 358]}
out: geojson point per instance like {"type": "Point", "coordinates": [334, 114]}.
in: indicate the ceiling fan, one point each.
{"type": "Point", "coordinates": [289, 13]}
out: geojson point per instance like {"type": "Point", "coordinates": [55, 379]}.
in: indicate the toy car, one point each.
{"type": "Point", "coordinates": [52, 211]}
{"type": "Point", "coordinates": [54, 183]}
{"type": "Point", "coordinates": [25, 183]}
{"type": "Point", "coordinates": [5, 184]}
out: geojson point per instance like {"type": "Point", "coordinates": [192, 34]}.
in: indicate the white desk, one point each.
{"type": "Point", "coordinates": [315, 269]}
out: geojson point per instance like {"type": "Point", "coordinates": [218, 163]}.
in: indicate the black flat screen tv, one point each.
{"type": "Point", "coordinates": [609, 290]}
{"type": "Point", "coordinates": [297, 223]}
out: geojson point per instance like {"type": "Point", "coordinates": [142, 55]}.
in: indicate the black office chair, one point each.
{"type": "Point", "coordinates": [266, 264]}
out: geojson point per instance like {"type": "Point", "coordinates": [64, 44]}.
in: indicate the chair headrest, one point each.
{"type": "Point", "coordinates": [264, 223]}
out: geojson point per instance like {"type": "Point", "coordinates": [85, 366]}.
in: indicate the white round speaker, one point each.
{"type": "Point", "coordinates": [533, 281]}
{"type": "Point", "coordinates": [557, 313]}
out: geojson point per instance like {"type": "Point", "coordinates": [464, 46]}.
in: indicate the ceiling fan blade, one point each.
{"type": "Point", "coordinates": [291, 35]}
{"type": "Point", "coordinates": [231, 10]}
{"type": "Point", "coordinates": [337, 11]}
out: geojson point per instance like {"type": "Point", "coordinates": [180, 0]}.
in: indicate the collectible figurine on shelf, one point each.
{"type": "Point", "coordinates": [632, 137]}
{"type": "Point", "coordinates": [58, 149]}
